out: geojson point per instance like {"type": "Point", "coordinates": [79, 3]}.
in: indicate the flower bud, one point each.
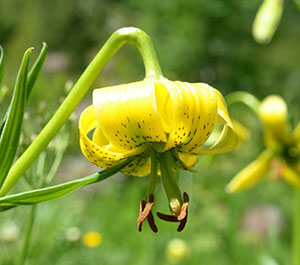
{"type": "Point", "coordinates": [274, 117]}
{"type": "Point", "coordinates": [266, 20]}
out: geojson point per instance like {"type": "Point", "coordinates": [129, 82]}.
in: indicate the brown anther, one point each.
{"type": "Point", "coordinates": [184, 207]}
{"type": "Point", "coordinates": [151, 223]}
{"type": "Point", "coordinates": [166, 217]}
{"type": "Point", "coordinates": [145, 213]}
{"type": "Point", "coordinates": [182, 217]}
{"type": "Point", "coordinates": [182, 224]}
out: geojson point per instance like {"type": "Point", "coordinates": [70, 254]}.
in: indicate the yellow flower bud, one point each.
{"type": "Point", "coordinates": [274, 117]}
{"type": "Point", "coordinates": [266, 20]}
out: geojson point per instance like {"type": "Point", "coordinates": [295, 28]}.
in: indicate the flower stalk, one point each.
{"type": "Point", "coordinates": [132, 36]}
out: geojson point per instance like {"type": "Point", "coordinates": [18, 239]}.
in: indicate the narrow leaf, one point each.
{"type": "Point", "coordinates": [2, 57]}
{"type": "Point", "coordinates": [35, 71]}
{"type": "Point", "coordinates": [10, 135]}
{"type": "Point", "coordinates": [56, 191]}
{"type": "Point", "coordinates": [2, 63]}
{"type": "Point", "coordinates": [31, 78]}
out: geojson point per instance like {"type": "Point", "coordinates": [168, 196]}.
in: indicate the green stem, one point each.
{"type": "Point", "coordinates": [153, 174]}
{"type": "Point", "coordinates": [169, 182]}
{"type": "Point", "coordinates": [243, 97]}
{"type": "Point", "coordinates": [296, 229]}
{"type": "Point", "coordinates": [28, 229]}
{"type": "Point", "coordinates": [133, 36]}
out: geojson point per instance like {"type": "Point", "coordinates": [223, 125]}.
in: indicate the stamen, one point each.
{"type": "Point", "coordinates": [151, 223]}
{"type": "Point", "coordinates": [166, 217]}
{"type": "Point", "coordinates": [184, 207]}
{"type": "Point", "coordinates": [145, 213]}
{"type": "Point", "coordinates": [182, 224]}
{"type": "Point", "coordinates": [182, 217]}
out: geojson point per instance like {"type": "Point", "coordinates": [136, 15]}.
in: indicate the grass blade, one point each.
{"type": "Point", "coordinates": [2, 58]}
{"type": "Point", "coordinates": [31, 78]}
{"type": "Point", "coordinates": [35, 71]}
{"type": "Point", "coordinates": [10, 134]}
{"type": "Point", "coordinates": [57, 191]}
{"type": "Point", "coordinates": [2, 64]}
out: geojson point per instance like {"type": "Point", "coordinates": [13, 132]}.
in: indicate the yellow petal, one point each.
{"type": "Point", "coordinates": [181, 161]}
{"type": "Point", "coordinates": [183, 112]}
{"type": "Point", "coordinates": [128, 116]}
{"type": "Point", "coordinates": [243, 133]}
{"type": "Point", "coordinates": [189, 160]}
{"type": "Point", "coordinates": [252, 174]}
{"type": "Point", "coordinates": [274, 117]}
{"type": "Point", "coordinates": [100, 152]}
{"type": "Point", "coordinates": [291, 176]}
{"type": "Point", "coordinates": [192, 114]}
{"type": "Point", "coordinates": [228, 138]}
{"type": "Point", "coordinates": [139, 167]}
{"type": "Point", "coordinates": [266, 20]}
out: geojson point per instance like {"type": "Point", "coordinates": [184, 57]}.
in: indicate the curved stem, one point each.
{"type": "Point", "coordinates": [243, 97]}
{"type": "Point", "coordinates": [26, 243]}
{"type": "Point", "coordinates": [153, 175]}
{"type": "Point", "coordinates": [296, 229]}
{"type": "Point", "coordinates": [133, 36]}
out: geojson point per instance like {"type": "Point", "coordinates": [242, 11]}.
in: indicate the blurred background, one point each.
{"type": "Point", "coordinates": [198, 40]}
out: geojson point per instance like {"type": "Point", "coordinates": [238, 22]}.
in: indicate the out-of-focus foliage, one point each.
{"type": "Point", "coordinates": [207, 40]}
{"type": "Point", "coordinates": [197, 40]}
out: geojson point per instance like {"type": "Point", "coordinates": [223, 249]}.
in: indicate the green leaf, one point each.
{"type": "Point", "coordinates": [10, 134]}
{"type": "Point", "coordinates": [2, 63]}
{"type": "Point", "coordinates": [2, 57]}
{"type": "Point", "coordinates": [35, 71]}
{"type": "Point", "coordinates": [31, 78]}
{"type": "Point", "coordinates": [56, 191]}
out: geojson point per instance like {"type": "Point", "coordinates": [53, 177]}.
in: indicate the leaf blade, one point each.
{"type": "Point", "coordinates": [2, 63]}
{"type": "Point", "coordinates": [11, 132]}
{"type": "Point", "coordinates": [35, 71]}
{"type": "Point", "coordinates": [57, 191]}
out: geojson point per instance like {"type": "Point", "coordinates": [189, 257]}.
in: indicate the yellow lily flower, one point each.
{"type": "Point", "coordinates": [170, 119]}
{"type": "Point", "coordinates": [282, 153]}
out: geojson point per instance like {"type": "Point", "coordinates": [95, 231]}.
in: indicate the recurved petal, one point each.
{"type": "Point", "coordinates": [178, 108]}
{"type": "Point", "coordinates": [128, 115]}
{"type": "Point", "coordinates": [252, 174]}
{"type": "Point", "coordinates": [203, 118]}
{"type": "Point", "coordinates": [291, 176]}
{"type": "Point", "coordinates": [139, 167]}
{"type": "Point", "coordinates": [99, 151]}
{"type": "Point", "coordinates": [189, 160]}
{"type": "Point", "coordinates": [228, 138]}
